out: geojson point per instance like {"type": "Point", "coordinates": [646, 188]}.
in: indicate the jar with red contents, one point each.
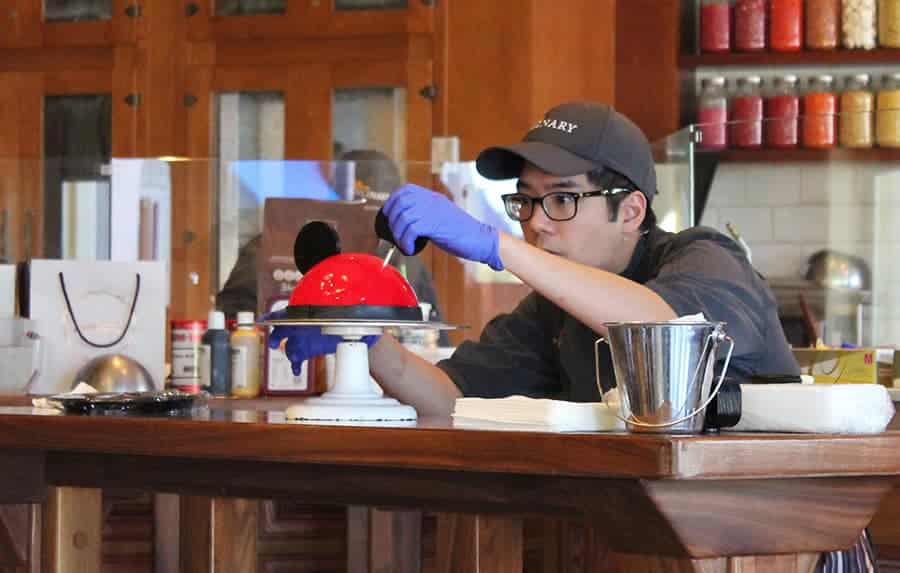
{"type": "Point", "coordinates": [782, 113]}
{"type": "Point", "coordinates": [819, 114]}
{"type": "Point", "coordinates": [712, 114]}
{"type": "Point", "coordinates": [786, 25]}
{"type": "Point", "coordinates": [750, 25]}
{"type": "Point", "coordinates": [715, 25]}
{"type": "Point", "coordinates": [747, 114]}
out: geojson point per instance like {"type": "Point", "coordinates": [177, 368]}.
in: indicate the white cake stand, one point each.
{"type": "Point", "coordinates": [353, 398]}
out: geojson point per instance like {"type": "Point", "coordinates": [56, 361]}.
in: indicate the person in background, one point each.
{"type": "Point", "coordinates": [592, 254]}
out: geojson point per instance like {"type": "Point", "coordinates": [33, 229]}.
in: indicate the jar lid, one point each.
{"type": "Point", "coordinates": [714, 81]}
{"type": "Point", "coordinates": [861, 78]}
{"type": "Point", "coordinates": [789, 79]}
{"type": "Point", "coordinates": [825, 79]}
{"type": "Point", "coordinates": [751, 80]}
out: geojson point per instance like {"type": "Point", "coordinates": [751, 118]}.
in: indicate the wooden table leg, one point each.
{"type": "Point", "coordinates": [478, 544]}
{"type": "Point", "coordinates": [381, 540]}
{"type": "Point", "coordinates": [72, 531]}
{"type": "Point", "coordinates": [166, 532]}
{"type": "Point", "coordinates": [218, 535]}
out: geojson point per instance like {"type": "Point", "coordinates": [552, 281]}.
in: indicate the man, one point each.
{"type": "Point", "coordinates": [593, 254]}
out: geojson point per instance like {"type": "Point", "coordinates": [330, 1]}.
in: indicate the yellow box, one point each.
{"type": "Point", "coordinates": [839, 365]}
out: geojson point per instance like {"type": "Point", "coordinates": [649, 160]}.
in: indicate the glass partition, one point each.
{"type": "Point", "coordinates": [77, 10]}
{"type": "Point", "coordinates": [247, 7]}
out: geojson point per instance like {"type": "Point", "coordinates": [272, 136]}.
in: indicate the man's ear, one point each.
{"type": "Point", "coordinates": [632, 211]}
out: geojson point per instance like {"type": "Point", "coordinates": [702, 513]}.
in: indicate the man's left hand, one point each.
{"type": "Point", "coordinates": [414, 212]}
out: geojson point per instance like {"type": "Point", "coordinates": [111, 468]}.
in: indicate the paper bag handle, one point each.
{"type": "Point", "coordinates": [137, 291]}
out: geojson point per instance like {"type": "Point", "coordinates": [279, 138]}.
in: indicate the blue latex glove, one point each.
{"type": "Point", "coordinates": [305, 342]}
{"type": "Point", "coordinates": [414, 212]}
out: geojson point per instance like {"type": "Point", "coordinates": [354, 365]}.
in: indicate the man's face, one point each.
{"type": "Point", "coordinates": [590, 238]}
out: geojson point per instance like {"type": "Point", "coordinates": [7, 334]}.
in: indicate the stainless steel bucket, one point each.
{"type": "Point", "coordinates": [664, 372]}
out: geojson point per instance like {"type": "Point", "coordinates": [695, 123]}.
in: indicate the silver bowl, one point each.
{"type": "Point", "coordinates": [115, 373]}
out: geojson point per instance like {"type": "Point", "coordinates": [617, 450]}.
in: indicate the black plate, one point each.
{"type": "Point", "coordinates": [166, 402]}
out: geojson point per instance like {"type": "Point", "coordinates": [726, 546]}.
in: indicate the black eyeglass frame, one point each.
{"type": "Point", "coordinates": [576, 196]}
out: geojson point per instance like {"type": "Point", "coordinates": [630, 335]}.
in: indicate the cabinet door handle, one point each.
{"type": "Point", "coordinates": [191, 9]}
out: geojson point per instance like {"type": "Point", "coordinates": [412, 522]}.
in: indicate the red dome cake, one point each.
{"type": "Point", "coordinates": [353, 286]}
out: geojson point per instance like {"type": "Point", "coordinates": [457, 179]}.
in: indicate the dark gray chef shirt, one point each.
{"type": "Point", "coordinates": [541, 351]}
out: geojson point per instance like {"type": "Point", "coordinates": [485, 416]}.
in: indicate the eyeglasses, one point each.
{"type": "Point", "coordinates": [558, 205]}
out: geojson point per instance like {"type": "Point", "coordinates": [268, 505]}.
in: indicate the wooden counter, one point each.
{"type": "Point", "coordinates": [685, 497]}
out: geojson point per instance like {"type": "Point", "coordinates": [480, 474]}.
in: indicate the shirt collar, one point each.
{"type": "Point", "coordinates": [637, 269]}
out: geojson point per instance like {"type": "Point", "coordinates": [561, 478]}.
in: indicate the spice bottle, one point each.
{"type": "Point", "coordinates": [747, 114]}
{"type": "Point", "coordinates": [857, 114]}
{"type": "Point", "coordinates": [750, 25]}
{"type": "Point", "coordinates": [715, 25]}
{"type": "Point", "coordinates": [889, 23]}
{"type": "Point", "coordinates": [819, 107]}
{"type": "Point", "coordinates": [858, 23]}
{"type": "Point", "coordinates": [712, 114]}
{"type": "Point", "coordinates": [786, 25]}
{"type": "Point", "coordinates": [823, 24]}
{"type": "Point", "coordinates": [782, 113]}
{"type": "Point", "coordinates": [887, 129]}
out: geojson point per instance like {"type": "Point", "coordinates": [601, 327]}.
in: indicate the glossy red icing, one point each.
{"type": "Point", "coordinates": [350, 279]}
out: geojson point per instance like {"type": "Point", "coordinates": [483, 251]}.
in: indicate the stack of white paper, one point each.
{"type": "Point", "coordinates": [519, 412]}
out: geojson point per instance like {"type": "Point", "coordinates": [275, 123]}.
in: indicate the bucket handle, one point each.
{"type": "Point", "coordinates": [721, 336]}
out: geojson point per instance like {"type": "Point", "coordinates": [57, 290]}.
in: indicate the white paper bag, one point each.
{"type": "Point", "coordinates": [98, 317]}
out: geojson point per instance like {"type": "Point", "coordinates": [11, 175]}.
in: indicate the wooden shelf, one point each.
{"type": "Point", "coordinates": [805, 57]}
{"type": "Point", "coordinates": [802, 155]}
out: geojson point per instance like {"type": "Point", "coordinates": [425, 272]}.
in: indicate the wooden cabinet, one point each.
{"type": "Point", "coordinates": [74, 23]}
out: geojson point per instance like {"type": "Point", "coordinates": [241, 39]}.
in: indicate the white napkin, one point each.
{"type": "Point", "coordinates": [523, 413]}
{"type": "Point", "coordinates": [81, 388]}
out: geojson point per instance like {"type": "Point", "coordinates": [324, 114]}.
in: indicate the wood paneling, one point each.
{"type": "Point", "coordinates": [478, 544]}
{"type": "Point", "coordinates": [647, 83]}
{"type": "Point", "coordinates": [381, 540]}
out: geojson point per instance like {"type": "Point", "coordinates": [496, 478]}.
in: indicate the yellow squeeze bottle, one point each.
{"type": "Point", "coordinates": [245, 358]}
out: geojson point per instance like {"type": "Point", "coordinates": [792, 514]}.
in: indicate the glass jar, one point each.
{"type": "Point", "coordinates": [786, 25]}
{"type": "Point", "coordinates": [858, 23]}
{"type": "Point", "coordinates": [782, 113]}
{"type": "Point", "coordinates": [747, 114]}
{"type": "Point", "coordinates": [715, 25]}
{"type": "Point", "coordinates": [889, 23]}
{"type": "Point", "coordinates": [819, 107]}
{"type": "Point", "coordinates": [857, 113]}
{"type": "Point", "coordinates": [750, 25]}
{"type": "Point", "coordinates": [712, 114]}
{"type": "Point", "coordinates": [887, 128]}
{"type": "Point", "coordinates": [823, 24]}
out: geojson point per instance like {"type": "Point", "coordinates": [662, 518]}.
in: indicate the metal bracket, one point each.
{"type": "Point", "coordinates": [189, 100]}
{"type": "Point", "coordinates": [133, 11]}
{"type": "Point", "coordinates": [132, 99]}
{"type": "Point", "coordinates": [429, 92]}
{"type": "Point", "coordinates": [191, 9]}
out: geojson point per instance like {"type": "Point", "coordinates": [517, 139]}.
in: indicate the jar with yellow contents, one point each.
{"type": "Point", "coordinates": [887, 118]}
{"type": "Point", "coordinates": [857, 114]}
{"type": "Point", "coordinates": [889, 23]}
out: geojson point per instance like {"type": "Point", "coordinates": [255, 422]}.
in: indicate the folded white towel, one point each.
{"type": "Point", "coordinates": [520, 412]}
{"type": "Point", "coordinates": [815, 408]}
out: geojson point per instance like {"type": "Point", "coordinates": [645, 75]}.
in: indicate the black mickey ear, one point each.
{"type": "Point", "coordinates": [383, 231]}
{"type": "Point", "coordinates": [315, 242]}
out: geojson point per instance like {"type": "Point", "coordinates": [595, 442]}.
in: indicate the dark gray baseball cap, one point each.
{"type": "Point", "coordinates": [574, 138]}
